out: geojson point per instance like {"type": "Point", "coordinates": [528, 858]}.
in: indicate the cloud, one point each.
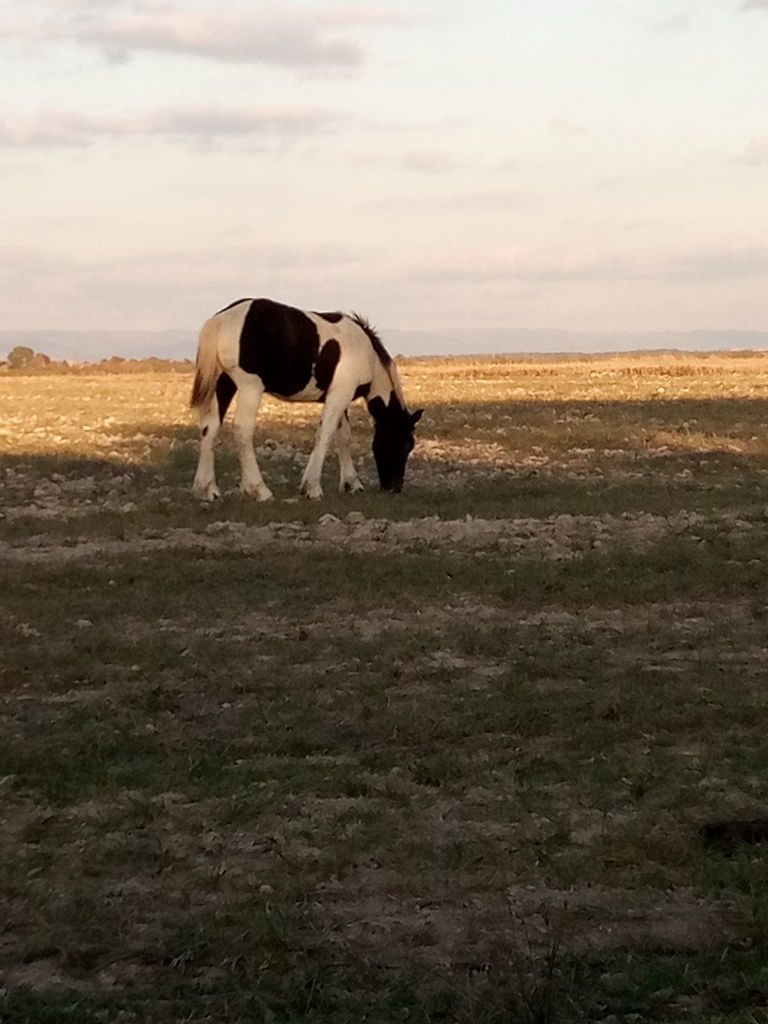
{"type": "Point", "coordinates": [298, 37]}
{"type": "Point", "coordinates": [22, 265]}
{"type": "Point", "coordinates": [54, 129]}
{"type": "Point", "coordinates": [565, 126]}
{"type": "Point", "coordinates": [164, 287]}
{"type": "Point", "coordinates": [720, 265]}
{"type": "Point", "coordinates": [430, 161]}
{"type": "Point", "coordinates": [225, 37]}
{"type": "Point", "coordinates": [680, 22]}
{"type": "Point", "coordinates": [493, 201]}
{"type": "Point", "coordinates": [69, 129]}
{"type": "Point", "coordinates": [526, 267]}
{"type": "Point", "coordinates": [707, 265]}
{"type": "Point", "coordinates": [756, 5]}
{"type": "Point", "coordinates": [756, 152]}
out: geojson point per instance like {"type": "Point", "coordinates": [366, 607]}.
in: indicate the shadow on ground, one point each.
{"type": "Point", "coordinates": [501, 459]}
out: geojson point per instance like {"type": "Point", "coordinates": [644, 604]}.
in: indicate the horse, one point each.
{"type": "Point", "coordinates": [253, 346]}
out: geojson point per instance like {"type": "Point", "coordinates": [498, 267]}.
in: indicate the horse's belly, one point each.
{"type": "Point", "coordinates": [311, 393]}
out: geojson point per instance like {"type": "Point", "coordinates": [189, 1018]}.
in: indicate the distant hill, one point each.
{"type": "Point", "coordinates": [523, 340]}
{"type": "Point", "coordinates": [180, 343]}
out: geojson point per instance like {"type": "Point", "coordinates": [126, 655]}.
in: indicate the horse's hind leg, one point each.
{"type": "Point", "coordinates": [211, 417]}
{"type": "Point", "coordinates": [348, 478]}
{"type": "Point", "coordinates": [204, 485]}
{"type": "Point", "coordinates": [248, 401]}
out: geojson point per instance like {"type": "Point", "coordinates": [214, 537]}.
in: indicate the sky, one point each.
{"type": "Point", "coordinates": [574, 164]}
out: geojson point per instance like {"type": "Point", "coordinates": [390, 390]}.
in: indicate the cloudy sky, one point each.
{"type": "Point", "coordinates": [588, 164]}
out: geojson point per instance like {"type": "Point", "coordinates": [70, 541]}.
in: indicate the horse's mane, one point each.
{"type": "Point", "coordinates": [384, 357]}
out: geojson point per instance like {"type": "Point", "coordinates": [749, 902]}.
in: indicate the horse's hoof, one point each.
{"type": "Point", "coordinates": [208, 493]}
{"type": "Point", "coordinates": [259, 491]}
{"type": "Point", "coordinates": [313, 493]}
{"type": "Point", "coordinates": [310, 488]}
{"type": "Point", "coordinates": [351, 486]}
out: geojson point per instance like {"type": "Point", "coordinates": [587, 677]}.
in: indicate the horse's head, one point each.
{"type": "Point", "coordinates": [392, 441]}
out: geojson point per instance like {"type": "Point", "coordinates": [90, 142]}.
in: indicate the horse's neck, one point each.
{"type": "Point", "coordinates": [386, 383]}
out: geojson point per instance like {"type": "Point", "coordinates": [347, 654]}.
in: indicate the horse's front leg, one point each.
{"type": "Point", "coordinates": [333, 412]}
{"type": "Point", "coordinates": [348, 478]}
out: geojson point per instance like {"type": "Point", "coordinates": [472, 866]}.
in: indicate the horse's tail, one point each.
{"type": "Point", "coordinates": [207, 367]}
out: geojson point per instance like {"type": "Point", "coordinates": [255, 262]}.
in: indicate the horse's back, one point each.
{"type": "Point", "coordinates": [285, 347]}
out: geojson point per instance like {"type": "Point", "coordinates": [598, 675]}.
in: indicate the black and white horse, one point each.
{"type": "Point", "coordinates": [256, 345]}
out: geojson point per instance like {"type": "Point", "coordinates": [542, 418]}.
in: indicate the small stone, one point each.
{"type": "Point", "coordinates": [84, 624]}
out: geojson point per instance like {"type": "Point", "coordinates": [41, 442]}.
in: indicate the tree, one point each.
{"type": "Point", "coordinates": [24, 358]}
{"type": "Point", "coordinates": [20, 357]}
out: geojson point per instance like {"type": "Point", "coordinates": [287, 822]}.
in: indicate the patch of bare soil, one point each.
{"type": "Point", "coordinates": [555, 537]}
{"type": "Point", "coordinates": [475, 927]}
{"type": "Point", "coordinates": [50, 498]}
{"type": "Point", "coordinates": [40, 976]}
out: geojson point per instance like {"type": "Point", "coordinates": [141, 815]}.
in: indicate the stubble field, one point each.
{"type": "Point", "coordinates": [437, 756]}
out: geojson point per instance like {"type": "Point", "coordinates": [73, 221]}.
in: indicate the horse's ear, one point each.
{"type": "Point", "coordinates": [416, 416]}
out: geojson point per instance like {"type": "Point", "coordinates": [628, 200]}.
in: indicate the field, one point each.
{"type": "Point", "coordinates": [438, 756]}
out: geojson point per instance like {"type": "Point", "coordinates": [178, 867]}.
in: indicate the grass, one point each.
{"type": "Point", "coordinates": [438, 775]}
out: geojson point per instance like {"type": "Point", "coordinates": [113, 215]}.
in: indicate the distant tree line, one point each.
{"type": "Point", "coordinates": [23, 359]}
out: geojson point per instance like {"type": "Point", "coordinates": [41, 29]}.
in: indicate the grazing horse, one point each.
{"type": "Point", "coordinates": [256, 345]}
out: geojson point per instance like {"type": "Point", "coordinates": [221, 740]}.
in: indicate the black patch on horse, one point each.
{"type": "Point", "coordinates": [332, 318]}
{"type": "Point", "coordinates": [384, 357]}
{"type": "Point", "coordinates": [230, 306]}
{"type": "Point", "coordinates": [377, 407]}
{"type": "Point", "coordinates": [326, 364]}
{"type": "Point", "coordinates": [361, 391]}
{"type": "Point", "coordinates": [280, 345]}
{"type": "Point", "coordinates": [225, 392]}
